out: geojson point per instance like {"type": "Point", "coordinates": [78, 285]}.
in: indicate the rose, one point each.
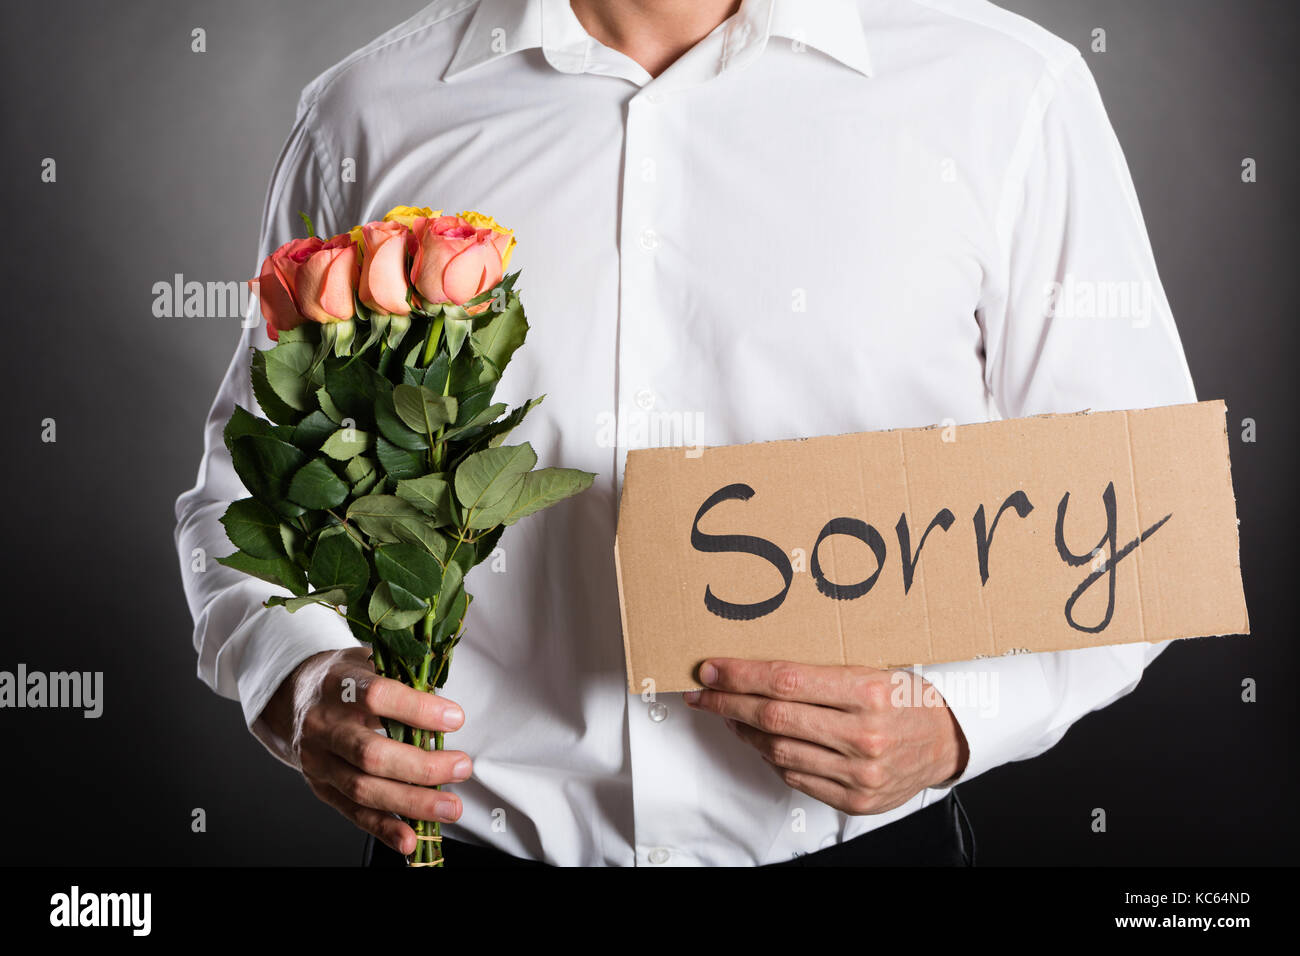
{"type": "Point", "coordinates": [505, 238]}
{"type": "Point", "coordinates": [275, 286]}
{"type": "Point", "coordinates": [454, 261]}
{"type": "Point", "coordinates": [407, 215]}
{"type": "Point", "coordinates": [327, 281]}
{"type": "Point", "coordinates": [383, 286]}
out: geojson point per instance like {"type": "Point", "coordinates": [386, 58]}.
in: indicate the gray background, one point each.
{"type": "Point", "coordinates": [163, 160]}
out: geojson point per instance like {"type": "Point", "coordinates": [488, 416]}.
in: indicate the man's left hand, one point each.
{"type": "Point", "coordinates": [859, 739]}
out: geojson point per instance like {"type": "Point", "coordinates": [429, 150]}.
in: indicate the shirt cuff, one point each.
{"type": "Point", "coordinates": [1001, 704]}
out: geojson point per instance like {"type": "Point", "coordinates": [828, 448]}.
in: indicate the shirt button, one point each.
{"type": "Point", "coordinates": [658, 856]}
{"type": "Point", "coordinates": [649, 240]}
{"type": "Point", "coordinates": [654, 99]}
{"type": "Point", "coordinates": [658, 712]}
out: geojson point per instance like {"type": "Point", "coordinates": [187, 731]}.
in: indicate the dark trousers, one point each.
{"type": "Point", "coordinates": [939, 835]}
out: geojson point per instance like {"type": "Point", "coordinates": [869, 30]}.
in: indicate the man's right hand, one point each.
{"type": "Point", "coordinates": [361, 773]}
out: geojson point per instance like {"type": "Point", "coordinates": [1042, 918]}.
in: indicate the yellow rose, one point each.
{"type": "Point", "coordinates": [407, 215]}
{"type": "Point", "coordinates": [480, 221]}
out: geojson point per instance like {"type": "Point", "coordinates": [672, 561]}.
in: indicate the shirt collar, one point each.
{"type": "Point", "coordinates": [499, 28]}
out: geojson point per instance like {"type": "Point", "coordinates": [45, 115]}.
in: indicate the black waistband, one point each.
{"type": "Point", "coordinates": [938, 835]}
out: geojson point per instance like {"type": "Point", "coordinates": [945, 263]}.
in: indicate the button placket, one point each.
{"type": "Point", "coordinates": [651, 738]}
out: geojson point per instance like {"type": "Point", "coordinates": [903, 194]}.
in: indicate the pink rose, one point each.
{"type": "Point", "coordinates": [275, 286]}
{"type": "Point", "coordinates": [327, 281]}
{"type": "Point", "coordinates": [454, 261]}
{"type": "Point", "coordinates": [383, 268]}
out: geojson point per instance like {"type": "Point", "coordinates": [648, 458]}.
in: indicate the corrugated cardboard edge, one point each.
{"type": "Point", "coordinates": [1227, 452]}
{"type": "Point", "coordinates": [622, 612]}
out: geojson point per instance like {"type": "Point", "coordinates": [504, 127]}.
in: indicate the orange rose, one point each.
{"type": "Point", "coordinates": [454, 261]}
{"type": "Point", "coordinates": [275, 286]}
{"type": "Point", "coordinates": [383, 268]}
{"type": "Point", "coordinates": [327, 281]}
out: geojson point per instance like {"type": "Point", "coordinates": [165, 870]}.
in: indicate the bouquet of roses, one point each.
{"type": "Point", "coordinates": [382, 476]}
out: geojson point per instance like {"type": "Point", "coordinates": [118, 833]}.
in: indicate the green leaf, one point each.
{"type": "Point", "coordinates": [265, 466]}
{"type": "Point", "coordinates": [242, 422]}
{"type": "Point", "coordinates": [254, 528]}
{"type": "Point", "coordinates": [453, 579]}
{"type": "Point", "coordinates": [421, 409]}
{"type": "Point", "coordinates": [339, 563]}
{"type": "Point", "coordinates": [487, 476]}
{"type": "Point", "coordinates": [431, 494]}
{"type": "Point", "coordinates": [489, 516]}
{"type": "Point", "coordinates": [457, 325]}
{"type": "Point", "coordinates": [397, 462]}
{"type": "Point", "coordinates": [393, 428]}
{"type": "Point", "coordinates": [316, 486]}
{"type": "Point", "coordinates": [278, 571]}
{"type": "Point", "coordinates": [286, 372]}
{"type": "Point", "coordinates": [499, 430]}
{"type": "Point", "coordinates": [401, 644]}
{"type": "Point", "coordinates": [389, 520]}
{"type": "Point", "coordinates": [475, 426]}
{"type": "Point", "coordinates": [312, 430]}
{"type": "Point", "coordinates": [346, 443]}
{"type": "Point", "coordinates": [362, 473]}
{"type": "Point", "coordinates": [293, 540]}
{"type": "Point", "coordinates": [328, 598]}
{"type": "Point", "coordinates": [451, 621]}
{"type": "Point", "coordinates": [328, 407]}
{"type": "Point", "coordinates": [475, 373]}
{"type": "Point", "coordinates": [358, 467]}
{"type": "Point", "coordinates": [354, 386]}
{"type": "Point", "coordinates": [475, 411]}
{"type": "Point", "coordinates": [435, 376]}
{"type": "Point", "coordinates": [497, 340]}
{"type": "Point", "coordinates": [271, 403]}
{"type": "Point", "coordinates": [409, 567]}
{"type": "Point", "coordinates": [545, 487]}
{"type": "Point", "coordinates": [385, 612]}
{"type": "Point", "coordinates": [379, 515]}
{"type": "Point", "coordinates": [405, 600]}
{"type": "Point", "coordinates": [473, 399]}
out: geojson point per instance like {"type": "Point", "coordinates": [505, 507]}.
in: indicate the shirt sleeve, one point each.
{"type": "Point", "coordinates": [246, 650]}
{"type": "Point", "coordinates": [1075, 318]}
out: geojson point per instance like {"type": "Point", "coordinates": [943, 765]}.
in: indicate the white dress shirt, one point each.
{"type": "Point", "coordinates": [828, 216]}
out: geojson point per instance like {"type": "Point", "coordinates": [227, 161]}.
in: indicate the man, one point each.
{"type": "Point", "coordinates": [773, 218]}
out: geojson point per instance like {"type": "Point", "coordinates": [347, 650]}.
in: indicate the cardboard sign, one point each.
{"type": "Point", "coordinates": [918, 546]}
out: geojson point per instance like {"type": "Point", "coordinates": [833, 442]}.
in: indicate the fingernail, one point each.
{"type": "Point", "coordinates": [692, 697]}
{"type": "Point", "coordinates": [445, 809]}
{"type": "Point", "coordinates": [453, 717]}
{"type": "Point", "coordinates": [462, 768]}
{"type": "Point", "coordinates": [708, 674]}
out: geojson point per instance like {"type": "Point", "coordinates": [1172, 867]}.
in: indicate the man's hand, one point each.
{"type": "Point", "coordinates": [842, 735]}
{"type": "Point", "coordinates": [361, 773]}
